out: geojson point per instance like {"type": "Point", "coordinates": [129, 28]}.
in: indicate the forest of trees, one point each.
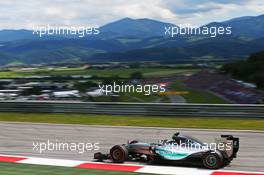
{"type": "Point", "coordinates": [250, 70]}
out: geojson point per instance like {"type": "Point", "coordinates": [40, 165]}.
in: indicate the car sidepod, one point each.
{"type": "Point", "coordinates": [175, 153]}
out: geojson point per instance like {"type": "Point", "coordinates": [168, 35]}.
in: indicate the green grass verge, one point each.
{"type": "Point", "coordinates": [23, 169]}
{"type": "Point", "coordinates": [145, 121]}
{"type": "Point", "coordinates": [197, 96]}
{"type": "Point", "coordinates": [129, 97]}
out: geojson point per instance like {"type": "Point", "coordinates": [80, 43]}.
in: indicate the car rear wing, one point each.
{"type": "Point", "coordinates": [235, 144]}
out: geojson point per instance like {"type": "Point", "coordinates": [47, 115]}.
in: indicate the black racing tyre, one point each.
{"type": "Point", "coordinates": [119, 154]}
{"type": "Point", "coordinates": [212, 160]}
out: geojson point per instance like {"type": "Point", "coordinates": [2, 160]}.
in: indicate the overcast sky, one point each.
{"type": "Point", "coordinates": [29, 13]}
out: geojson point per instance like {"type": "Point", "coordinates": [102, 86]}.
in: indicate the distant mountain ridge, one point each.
{"type": "Point", "coordinates": [134, 40]}
{"type": "Point", "coordinates": [250, 26]}
{"type": "Point", "coordinates": [11, 35]}
{"type": "Point", "coordinates": [128, 27]}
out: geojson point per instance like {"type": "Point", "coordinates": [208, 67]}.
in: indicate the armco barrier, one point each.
{"type": "Point", "coordinates": [159, 109]}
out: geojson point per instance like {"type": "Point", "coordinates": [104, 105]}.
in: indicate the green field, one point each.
{"type": "Point", "coordinates": [122, 72]}
{"type": "Point", "coordinates": [25, 169]}
{"type": "Point", "coordinates": [145, 121]}
{"type": "Point", "coordinates": [133, 97]}
{"type": "Point", "coordinates": [197, 96]}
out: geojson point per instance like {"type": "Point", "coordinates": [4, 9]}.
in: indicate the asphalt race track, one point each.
{"type": "Point", "coordinates": [18, 138]}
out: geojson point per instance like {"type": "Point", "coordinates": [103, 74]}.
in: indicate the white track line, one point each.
{"type": "Point", "coordinates": [174, 170]}
{"type": "Point", "coordinates": [52, 162]}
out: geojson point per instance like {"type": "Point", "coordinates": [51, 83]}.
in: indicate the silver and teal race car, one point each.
{"type": "Point", "coordinates": [180, 149]}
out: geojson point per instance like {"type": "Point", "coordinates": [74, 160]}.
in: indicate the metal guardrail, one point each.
{"type": "Point", "coordinates": [158, 109]}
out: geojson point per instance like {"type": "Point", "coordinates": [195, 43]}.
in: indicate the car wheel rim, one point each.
{"type": "Point", "coordinates": [116, 154]}
{"type": "Point", "coordinates": [211, 160]}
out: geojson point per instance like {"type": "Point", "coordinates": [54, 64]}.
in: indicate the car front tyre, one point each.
{"type": "Point", "coordinates": [119, 154]}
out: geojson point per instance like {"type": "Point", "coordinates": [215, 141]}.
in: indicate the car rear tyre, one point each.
{"type": "Point", "coordinates": [119, 154]}
{"type": "Point", "coordinates": [212, 160]}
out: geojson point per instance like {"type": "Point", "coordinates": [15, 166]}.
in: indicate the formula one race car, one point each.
{"type": "Point", "coordinates": [180, 150]}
